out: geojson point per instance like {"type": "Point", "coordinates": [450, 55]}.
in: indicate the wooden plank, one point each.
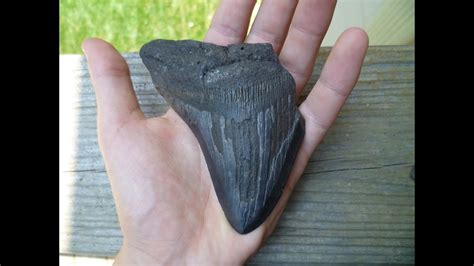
{"type": "Point", "coordinates": [354, 204]}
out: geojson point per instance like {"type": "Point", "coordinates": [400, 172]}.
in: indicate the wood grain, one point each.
{"type": "Point", "coordinates": [354, 203]}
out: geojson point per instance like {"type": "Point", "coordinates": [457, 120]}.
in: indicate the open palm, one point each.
{"type": "Point", "coordinates": [167, 208]}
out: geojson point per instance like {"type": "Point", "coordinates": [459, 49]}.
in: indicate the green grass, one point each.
{"type": "Point", "coordinates": [128, 24]}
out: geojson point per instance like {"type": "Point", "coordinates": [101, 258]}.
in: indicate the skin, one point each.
{"type": "Point", "coordinates": [166, 204]}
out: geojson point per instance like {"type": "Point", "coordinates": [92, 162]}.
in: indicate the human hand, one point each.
{"type": "Point", "coordinates": [166, 204]}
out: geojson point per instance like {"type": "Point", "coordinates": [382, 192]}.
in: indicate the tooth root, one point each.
{"type": "Point", "coordinates": [239, 102]}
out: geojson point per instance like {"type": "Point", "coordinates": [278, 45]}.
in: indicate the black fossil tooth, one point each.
{"type": "Point", "coordinates": [240, 103]}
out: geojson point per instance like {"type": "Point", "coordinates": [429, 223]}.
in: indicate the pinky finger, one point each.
{"type": "Point", "coordinates": [338, 78]}
{"type": "Point", "coordinates": [322, 105]}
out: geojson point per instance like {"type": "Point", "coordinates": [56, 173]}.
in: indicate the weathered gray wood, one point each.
{"type": "Point", "coordinates": [354, 204]}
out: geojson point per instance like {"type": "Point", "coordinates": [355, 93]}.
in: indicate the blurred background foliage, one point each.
{"type": "Point", "coordinates": [128, 24]}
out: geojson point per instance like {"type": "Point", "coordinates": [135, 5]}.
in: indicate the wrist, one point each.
{"type": "Point", "coordinates": [132, 255]}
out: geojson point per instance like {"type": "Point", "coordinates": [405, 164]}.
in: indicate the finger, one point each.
{"type": "Point", "coordinates": [336, 82]}
{"type": "Point", "coordinates": [322, 105]}
{"type": "Point", "coordinates": [116, 99]}
{"type": "Point", "coordinates": [308, 27]}
{"type": "Point", "coordinates": [272, 22]}
{"type": "Point", "coordinates": [230, 22]}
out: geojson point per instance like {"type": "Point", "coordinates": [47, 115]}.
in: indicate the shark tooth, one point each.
{"type": "Point", "coordinates": [240, 104]}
